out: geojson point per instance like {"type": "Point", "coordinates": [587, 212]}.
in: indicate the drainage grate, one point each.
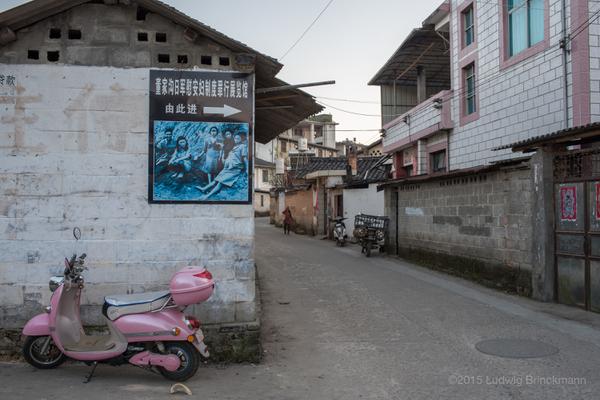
{"type": "Point", "coordinates": [516, 348]}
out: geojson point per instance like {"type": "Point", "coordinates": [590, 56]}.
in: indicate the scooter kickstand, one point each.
{"type": "Point", "coordinates": [88, 378]}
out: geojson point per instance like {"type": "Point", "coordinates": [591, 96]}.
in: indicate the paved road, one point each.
{"type": "Point", "coordinates": [339, 326]}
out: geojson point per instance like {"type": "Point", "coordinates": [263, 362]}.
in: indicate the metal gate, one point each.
{"type": "Point", "coordinates": [577, 228]}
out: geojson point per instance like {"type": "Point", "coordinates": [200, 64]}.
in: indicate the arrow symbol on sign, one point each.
{"type": "Point", "coordinates": [225, 110]}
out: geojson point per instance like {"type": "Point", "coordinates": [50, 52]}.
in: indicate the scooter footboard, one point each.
{"type": "Point", "coordinates": [38, 326]}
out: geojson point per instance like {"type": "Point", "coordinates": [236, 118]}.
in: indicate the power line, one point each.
{"type": "Point", "coordinates": [484, 81]}
{"type": "Point", "coordinates": [581, 28]}
{"type": "Point", "coordinates": [358, 130]}
{"type": "Point", "coordinates": [307, 29]}
{"type": "Point", "coordinates": [347, 100]}
{"type": "Point", "coordinates": [348, 112]}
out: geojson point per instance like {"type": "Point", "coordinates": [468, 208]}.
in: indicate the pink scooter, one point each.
{"type": "Point", "coordinates": [148, 330]}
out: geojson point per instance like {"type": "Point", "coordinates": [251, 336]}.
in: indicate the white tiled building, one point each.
{"type": "Point", "coordinates": [482, 74]}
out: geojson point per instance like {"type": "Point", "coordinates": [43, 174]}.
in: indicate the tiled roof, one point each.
{"type": "Point", "coordinates": [376, 173]}
{"type": "Point", "coordinates": [268, 123]}
{"type": "Point", "coordinates": [541, 139]}
{"type": "Point", "coordinates": [259, 162]}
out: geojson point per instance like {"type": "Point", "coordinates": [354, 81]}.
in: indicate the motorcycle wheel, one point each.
{"type": "Point", "coordinates": [368, 250]}
{"type": "Point", "coordinates": [52, 357]}
{"type": "Point", "coordinates": [342, 243]}
{"type": "Point", "coordinates": [188, 355]}
{"type": "Point", "coordinates": [337, 242]}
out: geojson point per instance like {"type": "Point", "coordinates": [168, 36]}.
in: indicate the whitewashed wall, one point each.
{"type": "Point", "coordinates": [74, 152]}
{"type": "Point", "coordinates": [366, 201]}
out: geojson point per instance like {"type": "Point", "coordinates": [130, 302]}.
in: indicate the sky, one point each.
{"type": "Point", "coordinates": [349, 43]}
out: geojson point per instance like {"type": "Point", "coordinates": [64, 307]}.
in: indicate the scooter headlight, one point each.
{"type": "Point", "coordinates": [380, 235]}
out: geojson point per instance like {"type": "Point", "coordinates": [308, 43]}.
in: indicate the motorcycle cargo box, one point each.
{"type": "Point", "coordinates": [191, 285]}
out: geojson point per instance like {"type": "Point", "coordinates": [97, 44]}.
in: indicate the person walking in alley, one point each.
{"type": "Point", "coordinates": [287, 220]}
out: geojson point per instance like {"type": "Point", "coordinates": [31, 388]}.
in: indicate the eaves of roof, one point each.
{"type": "Point", "coordinates": [269, 122]}
{"type": "Point", "coordinates": [563, 135]}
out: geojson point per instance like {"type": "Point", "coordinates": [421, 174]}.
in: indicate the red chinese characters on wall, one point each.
{"type": "Point", "coordinates": [568, 203]}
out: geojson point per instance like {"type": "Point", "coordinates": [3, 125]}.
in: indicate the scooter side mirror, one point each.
{"type": "Point", "coordinates": [77, 233]}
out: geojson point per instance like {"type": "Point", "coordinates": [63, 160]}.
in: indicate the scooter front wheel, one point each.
{"type": "Point", "coordinates": [42, 353]}
{"type": "Point", "coordinates": [188, 355]}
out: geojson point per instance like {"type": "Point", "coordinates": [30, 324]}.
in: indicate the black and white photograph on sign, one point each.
{"type": "Point", "coordinates": [200, 144]}
{"type": "Point", "coordinates": [200, 161]}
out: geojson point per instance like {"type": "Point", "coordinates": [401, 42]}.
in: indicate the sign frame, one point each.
{"type": "Point", "coordinates": [221, 107]}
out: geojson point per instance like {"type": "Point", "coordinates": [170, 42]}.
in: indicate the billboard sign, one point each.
{"type": "Point", "coordinates": [200, 137]}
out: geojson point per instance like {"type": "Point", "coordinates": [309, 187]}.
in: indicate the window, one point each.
{"type": "Point", "coordinates": [74, 34]}
{"type": "Point", "coordinates": [283, 146]}
{"type": "Point", "coordinates": [53, 56]}
{"type": "Point", "coordinates": [438, 161]}
{"type": "Point", "coordinates": [525, 24]}
{"type": "Point", "coordinates": [141, 14]}
{"type": "Point", "coordinates": [161, 37]}
{"type": "Point", "coordinates": [206, 60]}
{"type": "Point", "coordinates": [409, 170]}
{"type": "Point", "coordinates": [54, 33]}
{"type": "Point", "coordinates": [469, 85]}
{"type": "Point", "coordinates": [142, 36]}
{"type": "Point", "coordinates": [224, 61]}
{"type": "Point", "coordinates": [262, 200]}
{"type": "Point", "coordinates": [318, 131]}
{"type": "Point", "coordinates": [468, 26]}
{"type": "Point", "coordinates": [265, 176]}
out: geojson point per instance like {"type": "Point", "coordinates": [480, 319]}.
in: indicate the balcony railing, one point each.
{"type": "Point", "coordinates": [425, 119]}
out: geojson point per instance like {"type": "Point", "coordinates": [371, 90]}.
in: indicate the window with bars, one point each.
{"type": "Point", "coordinates": [470, 89]}
{"type": "Point", "coordinates": [265, 176]}
{"type": "Point", "coordinates": [525, 24]}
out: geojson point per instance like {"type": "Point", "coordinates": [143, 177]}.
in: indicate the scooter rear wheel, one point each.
{"type": "Point", "coordinates": [32, 352]}
{"type": "Point", "coordinates": [188, 355]}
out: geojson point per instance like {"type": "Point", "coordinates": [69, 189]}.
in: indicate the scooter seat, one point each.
{"type": "Point", "coordinates": [121, 300]}
{"type": "Point", "coordinates": [119, 305]}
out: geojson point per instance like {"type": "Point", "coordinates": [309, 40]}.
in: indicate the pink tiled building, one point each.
{"type": "Point", "coordinates": [478, 75]}
{"type": "Point", "coordinates": [491, 110]}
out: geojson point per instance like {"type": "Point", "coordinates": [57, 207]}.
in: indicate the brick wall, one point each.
{"type": "Point", "coordinates": [482, 221]}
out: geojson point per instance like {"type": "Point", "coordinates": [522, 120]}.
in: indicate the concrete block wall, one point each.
{"type": "Point", "coordinates": [485, 218]}
{"type": "Point", "coordinates": [516, 102]}
{"type": "Point", "coordinates": [74, 152]}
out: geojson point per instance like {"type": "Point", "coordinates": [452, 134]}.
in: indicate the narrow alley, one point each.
{"type": "Point", "coordinates": [339, 326]}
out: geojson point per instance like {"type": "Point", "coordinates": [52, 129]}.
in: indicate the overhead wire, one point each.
{"type": "Point", "coordinates": [347, 100]}
{"type": "Point", "coordinates": [306, 30]}
{"type": "Point", "coordinates": [481, 82]}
